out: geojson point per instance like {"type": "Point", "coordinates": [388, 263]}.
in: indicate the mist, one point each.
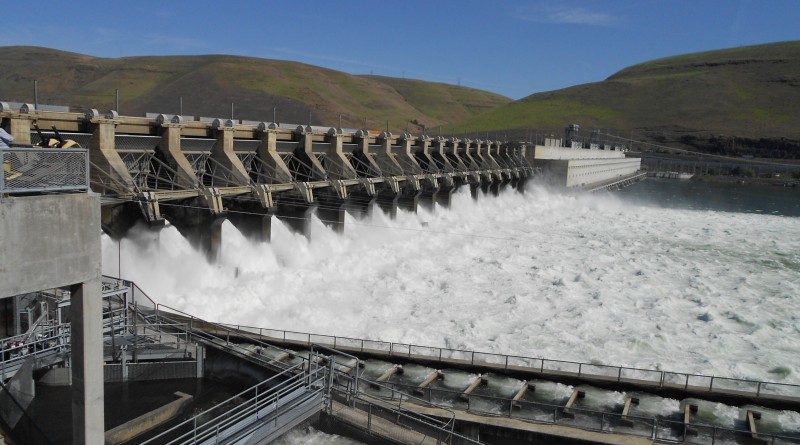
{"type": "Point", "coordinates": [576, 277]}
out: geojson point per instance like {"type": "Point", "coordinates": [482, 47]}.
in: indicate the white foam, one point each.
{"type": "Point", "coordinates": [311, 436]}
{"type": "Point", "coordinates": [582, 278]}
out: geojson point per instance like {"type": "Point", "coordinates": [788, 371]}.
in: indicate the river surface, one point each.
{"type": "Point", "coordinates": [666, 274]}
{"type": "Point", "coordinates": [714, 196]}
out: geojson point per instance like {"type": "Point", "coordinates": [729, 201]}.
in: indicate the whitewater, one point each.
{"type": "Point", "coordinates": [588, 278]}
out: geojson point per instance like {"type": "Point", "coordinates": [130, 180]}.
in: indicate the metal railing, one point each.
{"type": "Point", "coordinates": [502, 362]}
{"type": "Point", "coordinates": [657, 427]}
{"type": "Point", "coordinates": [259, 405]}
{"type": "Point", "coordinates": [33, 170]}
{"type": "Point", "coordinates": [213, 334]}
{"type": "Point", "coordinates": [15, 350]}
{"type": "Point", "coordinates": [348, 389]}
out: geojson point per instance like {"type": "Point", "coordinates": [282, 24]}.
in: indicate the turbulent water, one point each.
{"type": "Point", "coordinates": [571, 277]}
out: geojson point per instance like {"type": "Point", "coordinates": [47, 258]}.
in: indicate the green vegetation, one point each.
{"type": "Point", "coordinates": [208, 85]}
{"type": "Point", "coordinates": [748, 92]}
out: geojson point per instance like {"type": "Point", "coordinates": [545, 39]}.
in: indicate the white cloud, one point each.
{"type": "Point", "coordinates": [561, 14]}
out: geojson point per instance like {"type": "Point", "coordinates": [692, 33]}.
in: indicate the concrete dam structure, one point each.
{"type": "Point", "coordinates": [196, 172]}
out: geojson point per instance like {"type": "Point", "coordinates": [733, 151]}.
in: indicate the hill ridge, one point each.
{"type": "Point", "coordinates": [209, 83]}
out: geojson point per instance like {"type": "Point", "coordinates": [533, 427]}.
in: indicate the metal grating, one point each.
{"type": "Point", "coordinates": [31, 170]}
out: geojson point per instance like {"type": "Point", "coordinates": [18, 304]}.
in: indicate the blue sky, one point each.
{"type": "Point", "coordinates": [511, 47]}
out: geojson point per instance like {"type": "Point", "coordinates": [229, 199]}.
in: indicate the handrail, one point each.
{"type": "Point", "coordinates": [408, 397]}
{"type": "Point", "coordinates": [189, 328]}
{"type": "Point", "coordinates": [651, 377]}
{"type": "Point", "coordinates": [416, 418]}
{"type": "Point", "coordinates": [508, 410]}
{"type": "Point", "coordinates": [292, 378]}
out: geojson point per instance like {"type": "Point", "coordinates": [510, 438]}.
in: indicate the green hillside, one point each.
{"type": "Point", "coordinates": [208, 85]}
{"type": "Point", "coordinates": [751, 92]}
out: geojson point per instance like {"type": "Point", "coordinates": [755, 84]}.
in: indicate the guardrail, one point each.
{"type": "Point", "coordinates": [262, 404]}
{"type": "Point", "coordinates": [607, 373]}
{"type": "Point", "coordinates": [15, 350]}
{"type": "Point", "coordinates": [33, 170]}
{"type": "Point", "coordinates": [656, 428]}
{"type": "Point", "coordinates": [347, 389]}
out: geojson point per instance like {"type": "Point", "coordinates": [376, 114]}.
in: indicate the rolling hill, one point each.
{"type": "Point", "coordinates": [751, 92]}
{"type": "Point", "coordinates": [748, 92]}
{"type": "Point", "coordinates": [208, 85]}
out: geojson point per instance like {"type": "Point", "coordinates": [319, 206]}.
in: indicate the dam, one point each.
{"type": "Point", "coordinates": [405, 393]}
{"type": "Point", "coordinates": [197, 172]}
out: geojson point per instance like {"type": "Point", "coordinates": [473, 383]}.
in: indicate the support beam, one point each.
{"type": "Point", "coordinates": [103, 154]}
{"type": "Point", "coordinates": [388, 374]}
{"type": "Point", "coordinates": [752, 416]}
{"type": "Point", "coordinates": [480, 380]}
{"type": "Point", "coordinates": [688, 410]}
{"type": "Point", "coordinates": [567, 411]}
{"type": "Point", "coordinates": [306, 135]}
{"type": "Point", "coordinates": [435, 375]}
{"type": "Point", "coordinates": [21, 128]}
{"type": "Point", "coordinates": [363, 137]}
{"type": "Point", "coordinates": [86, 312]}
{"type": "Point", "coordinates": [515, 402]}
{"type": "Point", "coordinates": [222, 152]}
{"type": "Point", "coordinates": [170, 147]}
{"type": "Point", "coordinates": [393, 164]}
{"type": "Point", "coordinates": [626, 411]}
{"type": "Point", "coordinates": [407, 152]}
{"type": "Point", "coordinates": [268, 153]}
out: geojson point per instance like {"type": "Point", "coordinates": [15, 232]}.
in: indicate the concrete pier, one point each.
{"type": "Point", "coordinates": [297, 215]}
{"type": "Point", "coordinates": [409, 201]}
{"type": "Point", "coordinates": [388, 203]}
{"type": "Point", "coordinates": [52, 242]}
{"type": "Point", "coordinates": [201, 228]}
{"type": "Point", "coordinates": [252, 220]}
{"type": "Point", "coordinates": [331, 211]}
{"type": "Point", "coordinates": [444, 196]}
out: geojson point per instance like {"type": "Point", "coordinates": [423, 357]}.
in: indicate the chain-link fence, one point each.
{"type": "Point", "coordinates": [36, 170]}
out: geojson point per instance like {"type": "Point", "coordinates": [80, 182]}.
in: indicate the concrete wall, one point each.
{"type": "Point", "coordinates": [542, 152]}
{"type": "Point", "coordinates": [584, 172]}
{"type": "Point", "coordinates": [48, 241]}
{"type": "Point", "coordinates": [53, 241]}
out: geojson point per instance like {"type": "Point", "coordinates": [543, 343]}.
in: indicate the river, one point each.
{"type": "Point", "coordinates": [666, 274]}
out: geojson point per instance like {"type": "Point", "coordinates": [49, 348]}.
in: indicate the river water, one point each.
{"type": "Point", "coordinates": [713, 196]}
{"type": "Point", "coordinates": [666, 274]}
